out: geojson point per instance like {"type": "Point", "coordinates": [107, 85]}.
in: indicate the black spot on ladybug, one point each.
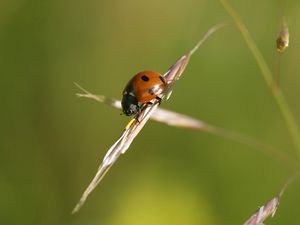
{"type": "Point", "coordinates": [162, 79]}
{"type": "Point", "coordinates": [145, 78]}
{"type": "Point", "coordinates": [151, 92]}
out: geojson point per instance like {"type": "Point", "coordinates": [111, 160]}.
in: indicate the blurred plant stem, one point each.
{"type": "Point", "coordinates": [268, 76]}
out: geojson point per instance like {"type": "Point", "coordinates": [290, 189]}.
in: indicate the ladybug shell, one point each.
{"type": "Point", "coordinates": [145, 86]}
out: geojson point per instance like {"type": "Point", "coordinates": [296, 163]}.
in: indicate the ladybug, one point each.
{"type": "Point", "coordinates": [141, 89]}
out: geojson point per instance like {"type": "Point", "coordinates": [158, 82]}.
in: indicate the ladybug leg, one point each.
{"type": "Point", "coordinates": [140, 109]}
{"type": "Point", "coordinates": [159, 99]}
{"type": "Point", "coordinates": [137, 119]}
{"type": "Point", "coordinates": [137, 116]}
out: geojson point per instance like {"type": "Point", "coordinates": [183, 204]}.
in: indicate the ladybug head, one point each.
{"type": "Point", "coordinates": [130, 105]}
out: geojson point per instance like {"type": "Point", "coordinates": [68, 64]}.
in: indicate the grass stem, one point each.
{"type": "Point", "coordinates": [268, 76]}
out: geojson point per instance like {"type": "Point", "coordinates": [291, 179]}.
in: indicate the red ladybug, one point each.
{"type": "Point", "coordinates": [140, 90]}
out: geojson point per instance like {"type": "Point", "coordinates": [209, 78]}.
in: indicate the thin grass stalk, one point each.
{"type": "Point", "coordinates": [268, 76]}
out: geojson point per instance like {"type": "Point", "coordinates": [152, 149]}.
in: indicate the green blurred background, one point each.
{"type": "Point", "coordinates": [53, 142]}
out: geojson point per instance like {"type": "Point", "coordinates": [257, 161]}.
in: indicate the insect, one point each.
{"type": "Point", "coordinates": [137, 100]}
{"type": "Point", "coordinates": [140, 90]}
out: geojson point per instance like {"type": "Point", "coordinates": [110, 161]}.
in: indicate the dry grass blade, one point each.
{"type": "Point", "coordinates": [136, 124]}
{"type": "Point", "coordinates": [175, 119]}
{"type": "Point", "coordinates": [99, 98]}
{"type": "Point", "coordinates": [269, 209]}
{"type": "Point", "coordinates": [160, 115]}
{"type": "Point", "coordinates": [264, 212]}
{"type": "Point", "coordinates": [176, 70]}
{"type": "Point", "coordinates": [119, 147]}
